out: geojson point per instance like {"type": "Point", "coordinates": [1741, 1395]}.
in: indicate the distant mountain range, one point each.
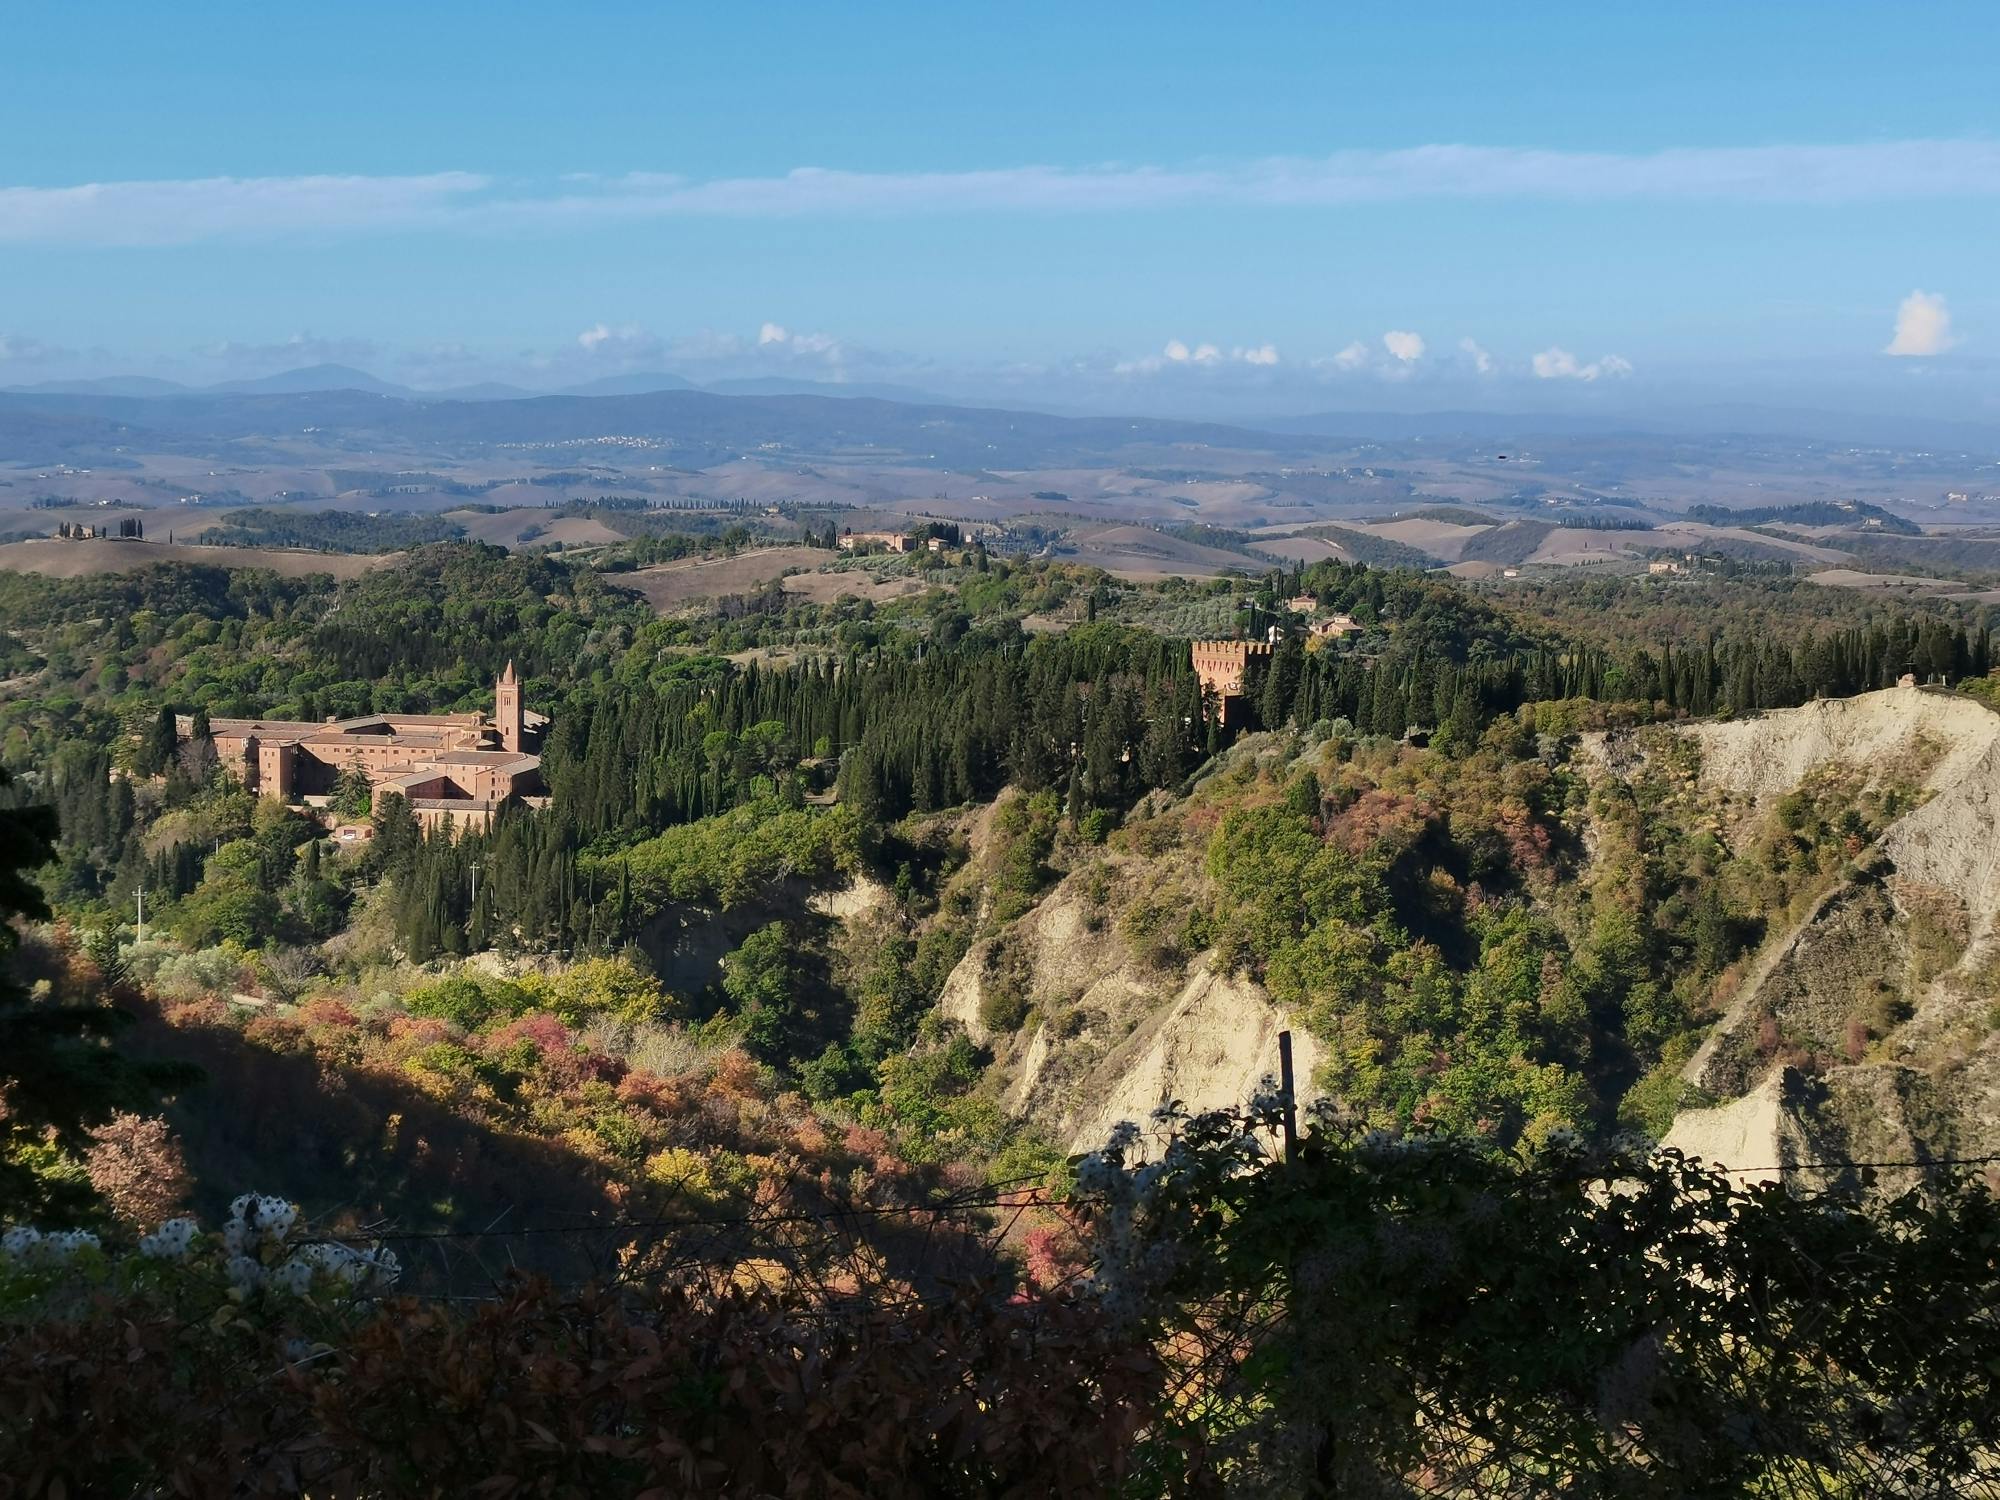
{"type": "Point", "coordinates": [693, 428]}
{"type": "Point", "coordinates": [314, 378]}
{"type": "Point", "coordinates": [106, 422]}
{"type": "Point", "coordinates": [1708, 423]}
{"type": "Point", "coordinates": [147, 396]}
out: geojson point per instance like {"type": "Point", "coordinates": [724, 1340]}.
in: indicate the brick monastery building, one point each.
{"type": "Point", "coordinates": [454, 768]}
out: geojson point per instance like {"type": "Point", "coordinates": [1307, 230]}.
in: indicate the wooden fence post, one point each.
{"type": "Point", "coordinates": [1291, 1098]}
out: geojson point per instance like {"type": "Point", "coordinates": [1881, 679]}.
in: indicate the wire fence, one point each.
{"type": "Point", "coordinates": [782, 1240]}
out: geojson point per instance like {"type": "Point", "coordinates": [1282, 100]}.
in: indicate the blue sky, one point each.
{"type": "Point", "coordinates": [1047, 202]}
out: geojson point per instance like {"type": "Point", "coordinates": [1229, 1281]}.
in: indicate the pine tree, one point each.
{"type": "Point", "coordinates": [1281, 684]}
{"type": "Point", "coordinates": [156, 749]}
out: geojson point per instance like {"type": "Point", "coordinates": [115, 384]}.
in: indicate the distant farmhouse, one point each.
{"type": "Point", "coordinates": [892, 541]}
{"type": "Point", "coordinates": [453, 769]}
{"type": "Point", "coordinates": [1321, 626]}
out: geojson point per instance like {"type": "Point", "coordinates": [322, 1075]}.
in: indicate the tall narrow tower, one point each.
{"type": "Point", "coordinates": [507, 712]}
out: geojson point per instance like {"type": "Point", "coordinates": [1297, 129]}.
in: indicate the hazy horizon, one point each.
{"type": "Point", "coordinates": [1565, 212]}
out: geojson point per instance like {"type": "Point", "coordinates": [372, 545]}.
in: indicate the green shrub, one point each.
{"type": "Point", "coordinates": [469, 1001]}
{"type": "Point", "coordinates": [1002, 1010]}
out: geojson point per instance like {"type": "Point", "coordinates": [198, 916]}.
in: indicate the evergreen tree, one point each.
{"type": "Point", "coordinates": [59, 1076]}
{"type": "Point", "coordinates": [1281, 684]}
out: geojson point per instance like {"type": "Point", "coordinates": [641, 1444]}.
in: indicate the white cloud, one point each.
{"type": "Point", "coordinates": [1481, 360]}
{"type": "Point", "coordinates": [17, 349]}
{"type": "Point", "coordinates": [299, 349]}
{"type": "Point", "coordinates": [1179, 352]}
{"type": "Point", "coordinates": [1353, 357]}
{"type": "Point", "coordinates": [1559, 364]}
{"type": "Point", "coordinates": [1840, 173]}
{"type": "Point", "coordinates": [193, 210]}
{"type": "Point", "coordinates": [1408, 347]}
{"type": "Point", "coordinates": [775, 341]}
{"type": "Point", "coordinates": [629, 342]}
{"type": "Point", "coordinates": [176, 213]}
{"type": "Point", "coordinates": [1923, 326]}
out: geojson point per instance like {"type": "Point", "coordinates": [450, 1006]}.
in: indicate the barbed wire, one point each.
{"type": "Point", "coordinates": [998, 1197]}
{"type": "Point", "coordinates": [1843, 1165]}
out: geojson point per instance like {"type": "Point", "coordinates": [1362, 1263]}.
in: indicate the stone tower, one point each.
{"type": "Point", "coordinates": [507, 711]}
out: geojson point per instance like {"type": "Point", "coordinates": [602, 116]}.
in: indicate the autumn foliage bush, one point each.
{"type": "Point", "coordinates": [680, 1391]}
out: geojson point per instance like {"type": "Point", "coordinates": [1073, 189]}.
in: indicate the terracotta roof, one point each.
{"type": "Point", "coordinates": [497, 759]}
{"type": "Point", "coordinates": [262, 728]}
{"type": "Point", "coordinates": [415, 774]}
{"type": "Point", "coordinates": [332, 736]}
{"type": "Point", "coordinates": [420, 721]}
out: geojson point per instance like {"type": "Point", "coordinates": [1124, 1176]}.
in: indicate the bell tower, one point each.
{"type": "Point", "coordinates": [507, 712]}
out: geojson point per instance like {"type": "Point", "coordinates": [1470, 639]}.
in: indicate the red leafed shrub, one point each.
{"type": "Point", "coordinates": [278, 1033]}
{"type": "Point", "coordinates": [862, 1141]}
{"type": "Point", "coordinates": [137, 1167]}
{"type": "Point", "coordinates": [1201, 820]}
{"type": "Point", "coordinates": [649, 1091]}
{"type": "Point", "coordinates": [1855, 1043]}
{"type": "Point", "coordinates": [1387, 821]}
{"type": "Point", "coordinates": [1052, 1254]}
{"type": "Point", "coordinates": [204, 1010]}
{"type": "Point", "coordinates": [675, 1393]}
{"type": "Point", "coordinates": [1529, 846]}
{"type": "Point", "coordinates": [418, 1031]}
{"type": "Point", "coordinates": [546, 1032]}
{"type": "Point", "coordinates": [1769, 1038]}
{"type": "Point", "coordinates": [735, 1075]}
{"type": "Point", "coordinates": [327, 1010]}
{"type": "Point", "coordinates": [810, 1138]}
{"type": "Point", "coordinates": [599, 1067]}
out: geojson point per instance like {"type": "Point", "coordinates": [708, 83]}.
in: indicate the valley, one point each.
{"type": "Point", "coordinates": [892, 886]}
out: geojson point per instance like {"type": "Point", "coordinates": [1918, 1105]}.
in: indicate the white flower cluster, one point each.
{"type": "Point", "coordinates": [256, 1235]}
{"type": "Point", "coordinates": [257, 1220]}
{"type": "Point", "coordinates": [354, 1270]}
{"type": "Point", "coordinates": [32, 1247]}
{"type": "Point", "coordinates": [1633, 1143]}
{"type": "Point", "coordinates": [1270, 1101]}
{"type": "Point", "coordinates": [171, 1241]}
{"type": "Point", "coordinates": [362, 1270]}
{"type": "Point", "coordinates": [1136, 1248]}
{"type": "Point", "coordinates": [245, 1273]}
{"type": "Point", "coordinates": [1385, 1145]}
